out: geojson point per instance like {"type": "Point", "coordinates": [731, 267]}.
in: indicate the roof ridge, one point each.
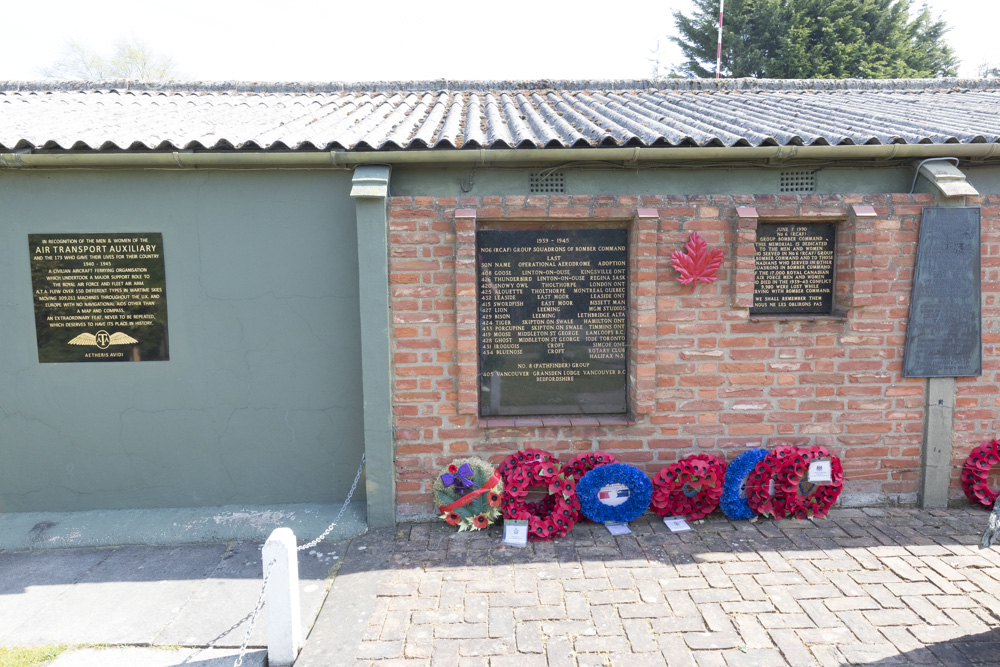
{"type": "Point", "coordinates": [311, 87]}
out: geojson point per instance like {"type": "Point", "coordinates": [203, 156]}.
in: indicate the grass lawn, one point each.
{"type": "Point", "coordinates": [29, 656]}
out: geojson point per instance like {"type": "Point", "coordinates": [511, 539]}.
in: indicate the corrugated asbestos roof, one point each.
{"type": "Point", "coordinates": [113, 116]}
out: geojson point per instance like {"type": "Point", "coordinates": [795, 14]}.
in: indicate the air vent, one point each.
{"type": "Point", "coordinates": [797, 181]}
{"type": "Point", "coordinates": [546, 184]}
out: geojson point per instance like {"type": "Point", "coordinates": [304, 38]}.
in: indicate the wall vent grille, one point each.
{"type": "Point", "coordinates": [546, 184]}
{"type": "Point", "coordinates": [797, 181]}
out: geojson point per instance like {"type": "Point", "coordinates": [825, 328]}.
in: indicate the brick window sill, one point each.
{"type": "Point", "coordinates": [555, 421]}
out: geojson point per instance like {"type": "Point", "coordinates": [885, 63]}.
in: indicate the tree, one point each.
{"type": "Point", "coordinates": [131, 59]}
{"type": "Point", "coordinates": [804, 39]}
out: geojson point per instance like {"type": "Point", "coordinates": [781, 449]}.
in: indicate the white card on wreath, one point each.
{"type": "Point", "coordinates": [676, 524]}
{"type": "Point", "coordinates": [820, 471]}
{"type": "Point", "coordinates": [617, 528]}
{"type": "Point", "coordinates": [515, 533]}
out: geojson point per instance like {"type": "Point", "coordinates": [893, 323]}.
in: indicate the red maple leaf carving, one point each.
{"type": "Point", "coordinates": [699, 264]}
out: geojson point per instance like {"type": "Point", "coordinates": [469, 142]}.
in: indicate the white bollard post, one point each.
{"type": "Point", "coordinates": [281, 599]}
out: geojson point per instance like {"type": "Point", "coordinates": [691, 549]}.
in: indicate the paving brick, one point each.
{"type": "Point", "coordinates": [791, 647]}
{"type": "Point", "coordinates": [919, 588]}
{"type": "Point", "coordinates": [908, 644]}
{"type": "Point", "coordinates": [546, 613]}
{"type": "Point", "coordinates": [882, 617]}
{"type": "Point", "coordinates": [753, 633]}
{"type": "Point", "coordinates": [485, 647]}
{"type": "Point", "coordinates": [748, 607]}
{"type": "Point", "coordinates": [867, 654]}
{"type": "Point", "coordinates": [558, 651]}
{"type": "Point", "coordinates": [519, 660]}
{"type": "Point", "coordinates": [821, 616]}
{"type": "Point", "coordinates": [675, 624]}
{"type": "Point", "coordinates": [903, 570]}
{"type": "Point", "coordinates": [767, 657]}
{"type": "Point", "coordinates": [606, 620]}
{"type": "Point", "coordinates": [771, 621]}
{"type": "Point", "coordinates": [501, 622]}
{"type": "Point", "coordinates": [851, 603]}
{"type": "Point", "coordinates": [618, 644]}
{"type": "Point", "coordinates": [639, 634]}
{"type": "Point", "coordinates": [529, 638]}
{"type": "Point", "coordinates": [860, 626]}
{"type": "Point", "coordinates": [613, 597]}
{"type": "Point", "coordinates": [462, 630]}
{"type": "Point", "coordinates": [674, 649]}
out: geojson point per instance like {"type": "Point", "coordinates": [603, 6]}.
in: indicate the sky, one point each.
{"type": "Point", "coordinates": [396, 40]}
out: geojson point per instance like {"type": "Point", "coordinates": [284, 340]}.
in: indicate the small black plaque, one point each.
{"type": "Point", "coordinates": [794, 265]}
{"type": "Point", "coordinates": [553, 312]}
{"type": "Point", "coordinates": [99, 297]}
{"type": "Point", "coordinates": [944, 330]}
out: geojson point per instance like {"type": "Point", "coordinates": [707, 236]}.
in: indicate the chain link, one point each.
{"type": "Point", "coordinates": [253, 614]}
{"type": "Point", "coordinates": [267, 575]}
{"type": "Point", "coordinates": [350, 493]}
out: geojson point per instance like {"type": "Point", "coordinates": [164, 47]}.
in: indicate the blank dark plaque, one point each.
{"type": "Point", "coordinates": [794, 268]}
{"type": "Point", "coordinates": [99, 297]}
{"type": "Point", "coordinates": [944, 331]}
{"type": "Point", "coordinates": [553, 312]}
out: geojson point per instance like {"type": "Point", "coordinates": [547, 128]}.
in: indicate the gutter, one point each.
{"type": "Point", "coordinates": [488, 156]}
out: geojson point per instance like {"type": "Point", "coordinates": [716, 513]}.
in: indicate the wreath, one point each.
{"type": "Point", "coordinates": [614, 492]}
{"type": "Point", "coordinates": [762, 491]}
{"type": "Point", "coordinates": [804, 499]}
{"type": "Point", "coordinates": [556, 513]}
{"type": "Point", "coordinates": [976, 471]}
{"type": "Point", "coordinates": [734, 489]}
{"type": "Point", "coordinates": [581, 464]}
{"type": "Point", "coordinates": [468, 494]}
{"type": "Point", "coordinates": [690, 487]}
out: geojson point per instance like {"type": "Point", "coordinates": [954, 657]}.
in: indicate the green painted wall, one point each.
{"type": "Point", "coordinates": [260, 402]}
{"type": "Point", "coordinates": [590, 179]}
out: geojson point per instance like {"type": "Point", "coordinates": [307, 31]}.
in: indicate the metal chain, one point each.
{"type": "Point", "coordinates": [350, 493]}
{"type": "Point", "coordinates": [267, 574]}
{"type": "Point", "coordinates": [253, 614]}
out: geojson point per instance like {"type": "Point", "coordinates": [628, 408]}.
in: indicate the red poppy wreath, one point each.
{"type": "Point", "coordinates": [976, 472]}
{"type": "Point", "coordinates": [762, 484]}
{"type": "Point", "coordinates": [690, 487]}
{"type": "Point", "coordinates": [802, 498]}
{"type": "Point", "coordinates": [581, 464]}
{"type": "Point", "coordinates": [556, 513]}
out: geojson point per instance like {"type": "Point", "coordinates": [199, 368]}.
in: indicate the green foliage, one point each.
{"type": "Point", "coordinates": [131, 59]}
{"type": "Point", "coordinates": [28, 656]}
{"type": "Point", "coordinates": [814, 39]}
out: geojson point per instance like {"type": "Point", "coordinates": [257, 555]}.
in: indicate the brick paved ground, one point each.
{"type": "Point", "coordinates": [866, 586]}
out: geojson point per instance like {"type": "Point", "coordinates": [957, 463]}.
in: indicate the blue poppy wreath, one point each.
{"type": "Point", "coordinates": [581, 464]}
{"type": "Point", "coordinates": [734, 503]}
{"type": "Point", "coordinates": [614, 492]}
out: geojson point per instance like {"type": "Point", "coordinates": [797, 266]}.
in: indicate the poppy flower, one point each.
{"type": "Point", "coordinates": [479, 522]}
{"type": "Point", "coordinates": [493, 499]}
{"type": "Point", "coordinates": [453, 518]}
{"type": "Point", "coordinates": [453, 468]}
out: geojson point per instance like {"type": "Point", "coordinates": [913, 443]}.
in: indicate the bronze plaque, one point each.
{"type": "Point", "coordinates": [553, 312]}
{"type": "Point", "coordinates": [99, 297]}
{"type": "Point", "coordinates": [794, 268]}
{"type": "Point", "coordinates": [944, 330]}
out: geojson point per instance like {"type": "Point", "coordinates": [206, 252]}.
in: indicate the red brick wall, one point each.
{"type": "Point", "coordinates": [704, 375]}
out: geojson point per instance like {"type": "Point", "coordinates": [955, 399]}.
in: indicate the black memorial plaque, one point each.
{"type": "Point", "coordinates": [553, 312]}
{"type": "Point", "coordinates": [944, 331]}
{"type": "Point", "coordinates": [794, 268]}
{"type": "Point", "coordinates": [99, 297]}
